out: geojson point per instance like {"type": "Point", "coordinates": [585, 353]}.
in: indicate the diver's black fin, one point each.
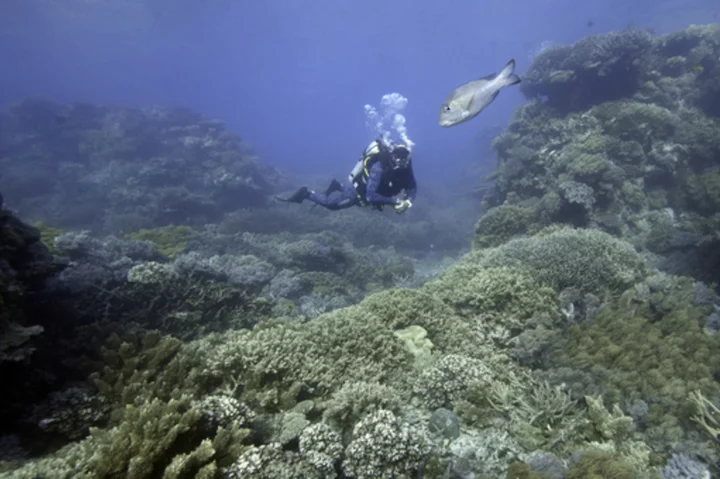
{"type": "Point", "coordinates": [335, 185]}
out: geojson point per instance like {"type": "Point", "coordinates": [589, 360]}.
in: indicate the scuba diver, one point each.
{"type": "Point", "coordinates": [381, 174]}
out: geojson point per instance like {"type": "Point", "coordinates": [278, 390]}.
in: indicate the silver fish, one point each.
{"type": "Point", "coordinates": [468, 100]}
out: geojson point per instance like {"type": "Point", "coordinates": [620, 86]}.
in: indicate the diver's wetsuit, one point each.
{"type": "Point", "coordinates": [382, 185]}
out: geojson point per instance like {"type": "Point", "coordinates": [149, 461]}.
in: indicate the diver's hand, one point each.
{"type": "Point", "coordinates": [402, 205]}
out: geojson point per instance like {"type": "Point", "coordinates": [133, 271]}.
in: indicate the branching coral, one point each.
{"type": "Point", "coordinates": [275, 361]}
{"type": "Point", "coordinates": [707, 415]}
{"type": "Point", "coordinates": [155, 439]}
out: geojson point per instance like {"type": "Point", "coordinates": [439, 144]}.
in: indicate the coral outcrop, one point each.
{"type": "Point", "coordinates": [622, 134]}
{"type": "Point", "coordinates": [122, 169]}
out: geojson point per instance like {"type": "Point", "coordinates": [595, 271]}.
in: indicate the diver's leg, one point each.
{"type": "Point", "coordinates": [299, 196]}
{"type": "Point", "coordinates": [337, 200]}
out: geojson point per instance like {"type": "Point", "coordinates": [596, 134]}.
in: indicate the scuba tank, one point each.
{"type": "Point", "coordinates": [356, 171]}
{"type": "Point", "coordinates": [372, 149]}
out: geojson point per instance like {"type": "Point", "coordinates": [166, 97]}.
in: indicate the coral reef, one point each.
{"type": "Point", "coordinates": [25, 263]}
{"type": "Point", "coordinates": [121, 169]}
{"type": "Point", "coordinates": [622, 134]}
{"type": "Point", "coordinates": [564, 344]}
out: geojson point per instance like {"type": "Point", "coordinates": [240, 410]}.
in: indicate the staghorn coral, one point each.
{"type": "Point", "coordinates": [136, 368]}
{"type": "Point", "coordinates": [169, 298]}
{"type": "Point", "coordinates": [707, 414]}
{"type": "Point", "coordinates": [246, 271]}
{"type": "Point", "coordinates": [537, 414]}
{"type": "Point", "coordinates": [157, 438]}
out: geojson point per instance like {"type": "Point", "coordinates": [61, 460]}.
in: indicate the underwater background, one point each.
{"type": "Point", "coordinates": [548, 307]}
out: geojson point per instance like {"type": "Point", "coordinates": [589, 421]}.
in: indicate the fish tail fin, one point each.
{"type": "Point", "coordinates": [508, 75]}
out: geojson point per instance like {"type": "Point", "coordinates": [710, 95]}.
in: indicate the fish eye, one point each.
{"type": "Point", "coordinates": [447, 108]}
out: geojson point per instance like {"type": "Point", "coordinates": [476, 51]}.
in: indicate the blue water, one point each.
{"type": "Point", "coordinates": [292, 78]}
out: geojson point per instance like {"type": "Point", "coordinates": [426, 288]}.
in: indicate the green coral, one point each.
{"type": "Point", "coordinates": [590, 260]}
{"type": "Point", "coordinates": [448, 332]}
{"type": "Point", "coordinates": [138, 367]}
{"type": "Point", "coordinates": [650, 347]}
{"type": "Point", "coordinates": [578, 193]}
{"type": "Point", "coordinates": [600, 464]}
{"type": "Point", "coordinates": [156, 297]}
{"type": "Point", "coordinates": [48, 235]}
{"type": "Point", "coordinates": [500, 224]}
{"type": "Point", "coordinates": [169, 240]}
{"type": "Point", "coordinates": [632, 194]}
{"type": "Point", "coordinates": [702, 191]}
{"type": "Point", "coordinates": [636, 121]}
{"type": "Point", "coordinates": [511, 294]}
{"type": "Point", "coordinates": [520, 470]}
{"type": "Point", "coordinates": [574, 76]}
{"type": "Point", "coordinates": [278, 361]}
{"type": "Point", "coordinates": [661, 231]}
{"type": "Point", "coordinates": [585, 158]}
{"type": "Point", "coordinates": [538, 414]}
{"type": "Point", "coordinates": [156, 439]}
{"type": "Point", "coordinates": [356, 399]}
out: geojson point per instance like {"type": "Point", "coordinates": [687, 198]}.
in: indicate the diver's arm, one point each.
{"type": "Point", "coordinates": [373, 183]}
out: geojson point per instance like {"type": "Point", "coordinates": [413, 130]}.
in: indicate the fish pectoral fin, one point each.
{"type": "Point", "coordinates": [469, 103]}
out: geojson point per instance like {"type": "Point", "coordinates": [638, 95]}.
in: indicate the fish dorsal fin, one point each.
{"type": "Point", "coordinates": [488, 77]}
